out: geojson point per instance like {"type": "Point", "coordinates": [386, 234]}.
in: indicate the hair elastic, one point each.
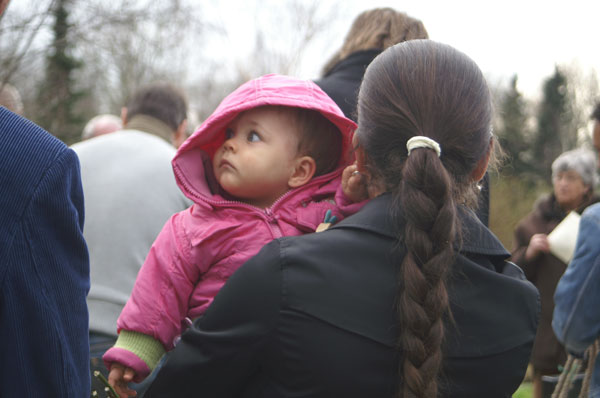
{"type": "Point", "coordinates": [420, 141]}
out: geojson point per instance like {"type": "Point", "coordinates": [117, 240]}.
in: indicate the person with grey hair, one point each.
{"type": "Point", "coordinates": [581, 162]}
{"type": "Point", "coordinates": [101, 124]}
{"type": "Point", "coordinates": [574, 179]}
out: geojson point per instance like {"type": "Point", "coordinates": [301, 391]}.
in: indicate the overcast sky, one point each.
{"type": "Point", "coordinates": [524, 37]}
{"type": "Point", "coordinates": [504, 37]}
{"type": "Point", "coordinates": [527, 37]}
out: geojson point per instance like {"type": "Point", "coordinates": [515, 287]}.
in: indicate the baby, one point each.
{"type": "Point", "coordinates": [267, 163]}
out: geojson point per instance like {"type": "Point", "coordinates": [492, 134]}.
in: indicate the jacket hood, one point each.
{"type": "Point", "coordinates": [192, 164]}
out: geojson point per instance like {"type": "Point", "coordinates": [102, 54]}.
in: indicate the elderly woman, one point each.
{"type": "Point", "coordinates": [574, 178]}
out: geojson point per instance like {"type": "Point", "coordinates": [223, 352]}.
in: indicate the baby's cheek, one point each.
{"type": "Point", "coordinates": [216, 159]}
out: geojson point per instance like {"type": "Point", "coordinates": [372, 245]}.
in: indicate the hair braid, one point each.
{"type": "Point", "coordinates": [429, 218]}
{"type": "Point", "coordinates": [423, 88]}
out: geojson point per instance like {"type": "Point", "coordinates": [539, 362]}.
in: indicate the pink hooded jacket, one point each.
{"type": "Point", "coordinates": [198, 249]}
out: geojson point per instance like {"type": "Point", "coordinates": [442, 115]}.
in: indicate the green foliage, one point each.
{"type": "Point", "coordinates": [552, 136]}
{"type": "Point", "coordinates": [105, 389]}
{"type": "Point", "coordinates": [512, 131]}
{"type": "Point", "coordinates": [57, 109]}
{"type": "Point", "coordinates": [533, 134]}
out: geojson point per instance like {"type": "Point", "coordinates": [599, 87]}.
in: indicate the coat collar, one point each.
{"type": "Point", "coordinates": [150, 125]}
{"type": "Point", "coordinates": [359, 59]}
{"type": "Point", "coordinates": [476, 238]}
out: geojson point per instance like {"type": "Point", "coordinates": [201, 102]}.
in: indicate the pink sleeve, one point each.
{"type": "Point", "coordinates": [128, 359]}
{"type": "Point", "coordinates": [159, 301]}
{"type": "Point", "coordinates": [345, 206]}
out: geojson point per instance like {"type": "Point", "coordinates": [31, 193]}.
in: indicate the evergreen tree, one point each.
{"type": "Point", "coordinates": [58, 98]}
{"type": "Point", "coordinates": [552, 124]}
{"type": "Point", "coordinates": [512, 132]}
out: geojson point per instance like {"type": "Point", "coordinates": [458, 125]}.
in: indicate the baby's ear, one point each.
{"type": "Point", "coordinates": [303, 171]}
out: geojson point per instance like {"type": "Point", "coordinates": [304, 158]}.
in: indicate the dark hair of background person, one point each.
{"type": "Point", "coordinates": [423, 88]}
{"type": "Point", "coordinates": [161, 101]}
{"type": "Point", "coordinates": [378, 29]}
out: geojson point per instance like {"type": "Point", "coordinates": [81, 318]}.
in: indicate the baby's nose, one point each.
{"type": "Point", "coordinates": [229, 144]}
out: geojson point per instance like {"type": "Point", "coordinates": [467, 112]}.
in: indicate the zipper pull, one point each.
{"type": "Point", "coordinates": [270, 216]}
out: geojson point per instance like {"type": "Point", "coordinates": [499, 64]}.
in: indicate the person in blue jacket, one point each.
{"type": "Point", "coordinates": [576, 318]}
{"type": "Point", "coordinates": [44, 266]}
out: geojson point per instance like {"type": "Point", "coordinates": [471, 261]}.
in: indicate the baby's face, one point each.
{"type": "Point", "coordinates": [258, 157]}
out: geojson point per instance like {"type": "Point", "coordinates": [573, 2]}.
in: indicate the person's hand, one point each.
{"type": "Point", "coordinates": [118, 377]}
{"type": "Point", "coordinates": [354, 184]}
{"type": "Point", "coordinates": [537, 245]}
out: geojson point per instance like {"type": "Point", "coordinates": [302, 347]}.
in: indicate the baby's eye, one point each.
{"type": "Point", "coordinates": [229, 134]}
{"type": "Point", "coordinates": [253, 136]}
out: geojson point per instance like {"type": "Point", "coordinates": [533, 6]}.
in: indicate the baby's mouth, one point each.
{"type": "Point", "coordinates": [225, 163]}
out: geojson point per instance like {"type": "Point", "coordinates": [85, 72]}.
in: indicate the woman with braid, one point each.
{"type": "Point", "coordinates": [411, 296]}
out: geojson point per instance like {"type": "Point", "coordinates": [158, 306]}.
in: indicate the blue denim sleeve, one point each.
{"type": "Point", "coordinates": [576, 320]}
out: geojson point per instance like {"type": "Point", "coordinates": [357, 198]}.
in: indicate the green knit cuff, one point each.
{"type": "Point", "coordinates": [146, 347]}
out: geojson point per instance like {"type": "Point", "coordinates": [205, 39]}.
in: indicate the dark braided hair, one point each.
{"type": "Point", "coordinates": [423, 88]}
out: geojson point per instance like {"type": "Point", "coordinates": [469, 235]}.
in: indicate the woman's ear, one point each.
{"type": "Point", "coordinates": [482, 165]}
{"type": "Point", "coordinates": [374, 187]}
{"type": "Point", "coordinates": [361, 160]}
{"type": "Point", "coordinates": [303, 171]}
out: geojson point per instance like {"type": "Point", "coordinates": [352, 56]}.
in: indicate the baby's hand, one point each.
{"type": "Point", "coordinates": [118, 377]}
{"type": "Point", "coordinates": [354, 184]}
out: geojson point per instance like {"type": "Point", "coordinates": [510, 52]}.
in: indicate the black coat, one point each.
{"type": "Point", "coordinates": [313, 316]}
{"type": "Point", "coordinates": [342, 82]}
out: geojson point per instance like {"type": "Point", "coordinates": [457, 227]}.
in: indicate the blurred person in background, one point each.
{"type": "Point", "coordinates": [44, 265]}
{"type": "Point", "coordinates": [371, 32]}
{"type": "Point", "coordinates": [576, 318]}
{"type": "Point", "coordinates": [574, 179]}
{"type": "Point", "coordinates": [101, 124]}
{"type": "Point", "coordinates": [11, 99]}
{"type": "Point", "coordinates": [130, 192]}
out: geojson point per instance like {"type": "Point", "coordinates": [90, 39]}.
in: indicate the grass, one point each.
{"type": "Point", "coordinates": [511, 199]}
{"type": "Point", "coordinates": [524, 391]}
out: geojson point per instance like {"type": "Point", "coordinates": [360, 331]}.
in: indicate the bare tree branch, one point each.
{"type": "Point", "coordinates": [22, 34]}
